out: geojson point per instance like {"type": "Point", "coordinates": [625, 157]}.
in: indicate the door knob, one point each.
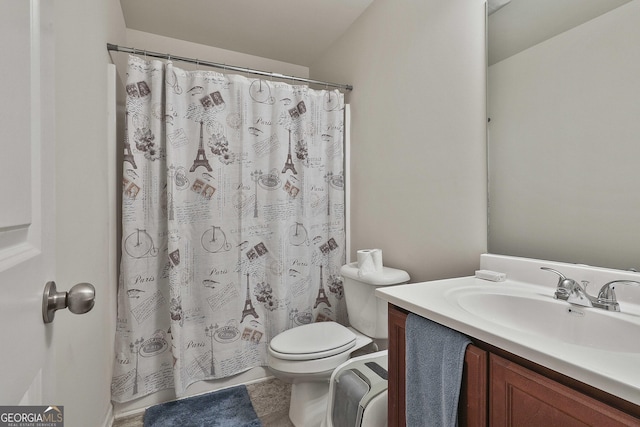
{"type": "Point", "coordinates": [79, 300]}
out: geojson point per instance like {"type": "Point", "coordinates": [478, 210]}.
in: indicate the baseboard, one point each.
{"type": "Point", "coordinates": [259, 380]}
{"type": "Point", "coordinates": [108, 419]}
{"type": "Point", "coordinates": [131, 413]}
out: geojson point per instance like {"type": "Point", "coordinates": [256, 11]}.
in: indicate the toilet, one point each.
{"type": "Point", "coordinates": [307, 356]}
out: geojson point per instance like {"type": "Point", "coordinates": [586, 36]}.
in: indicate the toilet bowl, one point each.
{"type": "Point", "coordinates": [306, 356]}
{"type": "Point", "coordinates": [315, 349]}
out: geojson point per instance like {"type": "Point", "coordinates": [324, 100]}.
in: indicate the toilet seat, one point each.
{"type": "Point", "coordinates": [312, 341]}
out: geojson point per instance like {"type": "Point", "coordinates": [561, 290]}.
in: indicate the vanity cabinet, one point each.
{"type": "Point", "coordinates": [472, 407]}
{"type": "Point", "coordinates": [500, 389]}
{"type": "Point", "coordinates": [522, 397]}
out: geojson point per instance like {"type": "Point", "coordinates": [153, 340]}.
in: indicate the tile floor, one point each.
{"type": "Point", "coordinates": [270, 399]}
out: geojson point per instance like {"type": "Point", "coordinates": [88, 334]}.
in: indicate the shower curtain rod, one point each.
{"type": "Point", "coordinates": [117, 48]}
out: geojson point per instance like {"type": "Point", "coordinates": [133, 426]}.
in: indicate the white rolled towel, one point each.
{"type": "Point", "coordinates": [369, 261]}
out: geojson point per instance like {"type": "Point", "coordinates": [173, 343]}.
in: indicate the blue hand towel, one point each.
{"type": "Point", "coordinates": [434, 362]}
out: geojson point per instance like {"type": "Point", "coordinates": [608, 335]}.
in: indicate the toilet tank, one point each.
{"type": "Point", "coordinates": [367, 313]}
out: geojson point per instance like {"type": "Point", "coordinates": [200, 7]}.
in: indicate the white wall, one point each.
{"type": "Point", "coordinates": [84, 213]}
{"type": "Point", "coordinates": [418, 132]}
{"type": "Point", "coordinates": [564, 145]}
{"type": "Point", "coordinates": [153, 42]}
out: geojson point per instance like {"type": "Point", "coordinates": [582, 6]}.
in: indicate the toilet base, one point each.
{"type": "Point", "coordinates": [308, 403]}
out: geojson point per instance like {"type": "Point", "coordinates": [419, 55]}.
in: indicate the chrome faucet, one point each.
{"type": "Point", "coordinates": [565, 286]}
{"type": "Point", "coordinates": [571, 291]}
{"type": "Point", "coordinates": [607, 294]}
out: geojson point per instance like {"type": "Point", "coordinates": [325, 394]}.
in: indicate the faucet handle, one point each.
{"type": "Point", "coordinates": [560, 275]}
{"type": "Point", "coordinates": [608, 293]}
{"type": "Point", "coordinates": [565, 285]}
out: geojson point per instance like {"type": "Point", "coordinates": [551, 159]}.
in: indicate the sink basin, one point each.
{"type": "Point", "coordinates": [536, 313]}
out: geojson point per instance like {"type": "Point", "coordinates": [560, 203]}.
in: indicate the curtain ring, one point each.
{"type": "Point", "coordinates": [197, 64]}
{"type": "Point", "coordinates": [145, 55]}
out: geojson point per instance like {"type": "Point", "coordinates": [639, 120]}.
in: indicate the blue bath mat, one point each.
{"type": "Point", "coordinates": [225, 408]}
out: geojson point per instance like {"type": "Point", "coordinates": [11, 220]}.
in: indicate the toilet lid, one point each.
{"type": "Point", "coordinates": [312, 341]}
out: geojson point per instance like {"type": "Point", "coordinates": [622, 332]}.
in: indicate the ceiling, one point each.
{"type": "Point", "coordinates": [300, 31]}
{"type": "Point", "coordinates": [293, 31]}
{"type": "Point", "coordinates": [525, 23]}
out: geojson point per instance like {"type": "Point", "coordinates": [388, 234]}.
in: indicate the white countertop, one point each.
{"type": "Point", "coordinates": [615, 372]}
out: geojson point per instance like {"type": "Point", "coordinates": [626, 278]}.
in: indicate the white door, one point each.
{"type": "Point", "coordinates": [26, 200]}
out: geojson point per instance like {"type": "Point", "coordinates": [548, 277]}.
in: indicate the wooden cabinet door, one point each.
{"type": "Point", "coordinates": [522, 398]}
{"type": "Point", "coordinates": [472, 408]}
{"type": "Point", "coordinates": [396, 391]}
{"type": "Point", "coordinates": [473, 405]}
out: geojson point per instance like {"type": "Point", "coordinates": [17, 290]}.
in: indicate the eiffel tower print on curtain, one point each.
{"type": "Point", "coordinates": [201, 158]}
{"type": "Point", "coordinates": [322, 296]}
{"type": "Point", "coordinates": [288, 165]}
{"type": "Point", "coordinates": [248, 305]}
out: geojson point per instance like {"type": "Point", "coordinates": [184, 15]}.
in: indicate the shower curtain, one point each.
{"type": "Point", "coordinates": [232, 223]}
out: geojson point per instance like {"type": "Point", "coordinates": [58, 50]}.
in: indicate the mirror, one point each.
{"type": "Point", "coordinates": [564, 131]}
